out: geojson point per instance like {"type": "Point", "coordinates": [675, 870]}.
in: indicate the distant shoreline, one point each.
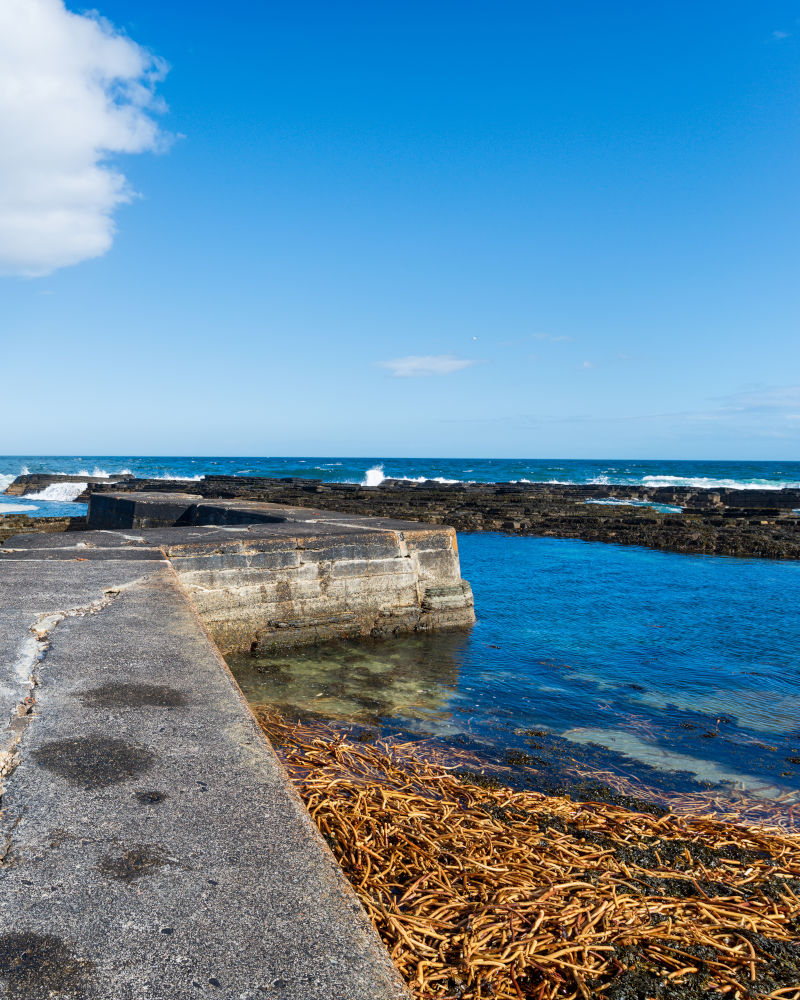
{"type": "Point", "coordinates": [760, 523]}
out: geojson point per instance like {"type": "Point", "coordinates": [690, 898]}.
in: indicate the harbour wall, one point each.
{"type": "Point", "coordinates": [262, 576]}
{"type": "Point", "coordinates": [151, 844]}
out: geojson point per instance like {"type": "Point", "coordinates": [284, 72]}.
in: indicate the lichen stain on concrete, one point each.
{"type": "Point", "coordinates": [42, 966]}
{"type": "Point", "coordinates": [95, 761]}
{"type": "Point", "coordinates": [137, 861]}
{"type": "Point", "coordinates": [126, 695]}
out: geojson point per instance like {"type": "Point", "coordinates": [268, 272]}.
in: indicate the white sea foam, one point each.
{"type": "Point", "coordinates": [617, 502]}
{"type": "Point", "coordinates": [433, 479]}
{"type": "Point", "coordinates": [5, 481]}
{"type": "Point", "coordinates": [59, 492]}
{"type": "Point", "coordinates": [375, 476]}
{"type": "Point", "coordinates": [183, 479]}
{"type": "Point", "coordinates": [16, 508]}
{"type": "Point", "coordinates": [707, 483]}
{"type": "Point", "coordinates": [549, 482]}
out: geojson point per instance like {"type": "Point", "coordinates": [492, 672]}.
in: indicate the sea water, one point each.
{"type": "Point", "coordinates": [373, 470]}
{"type": "Point", "coordinates": [683, 668]}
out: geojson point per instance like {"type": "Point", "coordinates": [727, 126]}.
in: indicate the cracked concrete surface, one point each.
{"type": "Point", "coordinates": [153, 844]}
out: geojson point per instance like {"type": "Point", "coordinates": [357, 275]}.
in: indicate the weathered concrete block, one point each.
{"type": "Point", "coordinates": [263, 576]}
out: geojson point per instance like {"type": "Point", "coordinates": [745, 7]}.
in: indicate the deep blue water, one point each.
{"type": "Point", "coordinates": [371, 471]}
{"type": "Point", "coordinates": [770, 474]}
{"type": "Point", "coordinates": [684, 663]}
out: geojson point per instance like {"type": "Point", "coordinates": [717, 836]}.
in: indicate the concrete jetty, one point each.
{"type": "Point", "coordinates": [152, 845]}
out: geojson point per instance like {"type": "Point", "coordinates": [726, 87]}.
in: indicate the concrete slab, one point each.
{"type": "Point", "coordinates": [153, 844]}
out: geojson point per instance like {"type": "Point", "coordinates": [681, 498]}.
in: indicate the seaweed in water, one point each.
{"type": "Point", "coordinates": [480, 890]}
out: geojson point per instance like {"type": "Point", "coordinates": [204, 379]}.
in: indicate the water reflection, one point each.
{"type": "Point", "coordinates": [368, 682]}
{"type": "Point", "coordinates": [681, 670]}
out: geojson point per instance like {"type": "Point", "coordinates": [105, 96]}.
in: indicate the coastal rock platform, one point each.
{"type": "Point", "coordinates": [752, 522]}
{"type": "Point", "coordinates": [152, 845]}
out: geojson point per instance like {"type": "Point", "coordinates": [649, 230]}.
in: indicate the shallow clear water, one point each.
{"type": "Point", "coordinates": [688, 664]}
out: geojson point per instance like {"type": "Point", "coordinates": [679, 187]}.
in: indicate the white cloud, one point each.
{"type": "Point", "coordinates": [73, 92]}
{"type": "Point", "coordinates": [588, 364]}
{"type": "Point", "coordinates": [425, 364]}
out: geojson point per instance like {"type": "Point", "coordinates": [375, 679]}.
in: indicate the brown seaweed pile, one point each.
{"type": "Point", "coordinates": [480, 891]}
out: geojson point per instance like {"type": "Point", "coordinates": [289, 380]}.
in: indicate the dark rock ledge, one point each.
{"type": "Point", "coordinates": [760, 523]}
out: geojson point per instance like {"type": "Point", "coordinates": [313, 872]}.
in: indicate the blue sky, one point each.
{"type": "Point", "coordinates": [440, 228]}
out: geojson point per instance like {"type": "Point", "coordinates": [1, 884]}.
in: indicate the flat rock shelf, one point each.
{"type": "Point", "coordinates": [763, 523]}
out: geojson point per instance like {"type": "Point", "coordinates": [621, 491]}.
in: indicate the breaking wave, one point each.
{"type": "Point", "coordinates": [59, 492]}
{"type": "Point", "coordinates": [375, 476]}
{"type": "Point", "coordinates": [707, 483]}
{"type": "Point", "coordinates": [98, 473]}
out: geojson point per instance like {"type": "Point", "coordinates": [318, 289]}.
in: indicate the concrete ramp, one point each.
{"type": "Point", "coordinates": [152, 845]}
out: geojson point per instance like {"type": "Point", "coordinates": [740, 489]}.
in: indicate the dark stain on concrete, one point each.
{"type": "Point", "coordinates": [151, 798]}
{"type": "Point", "coordinates": [126, 695]}
{"type": "Point", "coordinates": [95, 761]}
{"type": "Point", "coordinates": [42, 966]}
{"type": "Point", "coordinates": [143, 859]}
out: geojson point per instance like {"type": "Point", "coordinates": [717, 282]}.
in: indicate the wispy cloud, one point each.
{"type": "Point", "coordinates": [757, 411]}
{"type": "Point", "coordinates": [415, 365]}
{"type": "Point", "coordinates": [760, 399]}
{"type": "Point", "coordinates": [73, 92]}
{"type": "Point", "coordinates": [780, 35]}
{"type": "Point", "coordinates": [588, 364]}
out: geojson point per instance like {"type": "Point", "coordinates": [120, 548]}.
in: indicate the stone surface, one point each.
{"type": "Point", "coordinates": [152, 845]}
{"type": "Point", "coordinates": [721, 521]}
{"type": "Point", "coordinates": [15, 524]}
{"type": "Point", "coordinates": [760, 523]}
{"type": "Point", "coordinates": [35, 482]}
{"type": "Point", "coordinates": [263, 576]}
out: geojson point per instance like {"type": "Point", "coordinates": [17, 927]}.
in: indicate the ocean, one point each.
{"type": "Point", "coordinates": [677, 672]}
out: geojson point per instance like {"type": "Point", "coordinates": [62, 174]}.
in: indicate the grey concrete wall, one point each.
{"type": "Point", "coordinates": [272, 577]}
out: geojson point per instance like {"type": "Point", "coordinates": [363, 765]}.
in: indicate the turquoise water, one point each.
{"type": "Point", "coordinates": [685, 669]}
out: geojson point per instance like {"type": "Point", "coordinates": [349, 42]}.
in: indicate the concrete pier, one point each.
{"type": "Point", "coordinates": [263, 576]}
{"type": "Point", "coordinates": [152, 845]}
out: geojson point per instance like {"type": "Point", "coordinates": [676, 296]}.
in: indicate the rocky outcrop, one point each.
{"type": "Point", "coordinates": [36, 482]}
{"type": "Point", "coordinates": [760, 523]}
